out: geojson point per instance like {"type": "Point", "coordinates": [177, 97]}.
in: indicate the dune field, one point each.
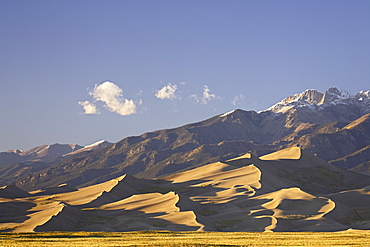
{"type": "Point", "coordinates": [287, 191]}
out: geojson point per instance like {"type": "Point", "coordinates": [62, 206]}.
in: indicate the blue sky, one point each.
{"type": "Point", "coordinates": [211, 56]}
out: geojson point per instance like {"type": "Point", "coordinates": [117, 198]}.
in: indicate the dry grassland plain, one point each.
{"type": "Point", "coordinates": [165, 238]}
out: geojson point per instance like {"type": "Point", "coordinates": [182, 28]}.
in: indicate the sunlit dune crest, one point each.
{"type": "Point", "coordinates": [293, 153]}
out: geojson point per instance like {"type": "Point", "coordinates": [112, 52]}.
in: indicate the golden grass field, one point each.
{"type": "Point", "coordinates": [166, 238]}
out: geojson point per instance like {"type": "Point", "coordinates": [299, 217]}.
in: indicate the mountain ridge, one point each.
{"type": "Point", "coordinates": [319, 129]}
{"type": "Point", "coordinates": [47, 152]}
{"type": "Point", "coordinates": [312, 98]}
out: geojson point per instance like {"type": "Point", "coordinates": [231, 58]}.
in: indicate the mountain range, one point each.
{"type": "Point", "coordinates": [47, 152]}
{"type": "Point", "coordinates": [333, 125]}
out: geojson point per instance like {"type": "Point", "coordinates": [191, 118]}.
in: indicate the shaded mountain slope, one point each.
{"type": "Point", "coordinates": [167, 151]}
{"type": "Point", "coordinates": [362, 168]}
{"type": "Point", "coordinates": [358, 157]}
{"type": "Point", "coordinates": [344, 142]}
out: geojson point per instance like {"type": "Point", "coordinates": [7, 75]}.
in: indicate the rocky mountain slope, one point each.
{"type": "Point", "coordinates": [333, 125]}
{"type": "Point", "coordinates": [40, 153]}
{"type": "Point", "coordinates": [289, 190]}
{"type": "Point", "coordinates": [47, 152]}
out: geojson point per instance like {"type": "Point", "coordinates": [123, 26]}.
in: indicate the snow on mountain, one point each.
{"type": "Point", "coordinates": [97, 144]}
{"type": "Point", "coordinates": [334, 94]}
{"type": "Point", "coordinates": [313, 99]}
{"type": "Point", "coordinates": [47, 152]}
{"type": "Point", "coordinates": [15, 151]}
{"type": "Point", "coordinates": [50, 151]}
{"type": "Point", "coordinates": [90, 147]}
{"type": "Point", "coordinates": [362, 95]}
{"type": "Point", "coordinates": [227, 113]}
{"type": "Point", "coordinates": [39, 153]}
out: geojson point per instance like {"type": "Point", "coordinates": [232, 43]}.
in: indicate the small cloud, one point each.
{"type": "Point", "coordinates": [206, 97]}
{"type": "Point", "coordinates": [140, 92]}
{"type": "Point", "coordinates": [111, 95]}
{"type": "Point", "coordinates": [167, 92]}
{"type": "Point", "coordinates": [238, 99]}
{"type": "Point", "coordinates": [194, 98]}
{"type": "Point", "coordinates": [89, 108]}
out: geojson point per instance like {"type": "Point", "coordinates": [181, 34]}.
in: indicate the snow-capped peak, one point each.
{"type": "Point", "coordinates": [362, 95]}
{"type": "Point", "coordinates": [334, 94]}
{"type": "Point", "coordinates": [312, 98]}
{"type": "Point", "coordinates": [306, 98]}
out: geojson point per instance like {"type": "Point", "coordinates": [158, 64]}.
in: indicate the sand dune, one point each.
{"type": "Point", "coordinates": [12, 191]}
{"type": "Point", "coordinates": [352, 198]}
{"type": "Point", "coordinates": [290, 190]}
{"type": "Point", "coordinates": [63, 188]}
{"type": "Point", "coordinates": [219, 182]}
{"type": "Point", "coordinates": [200, 173]}
{"type": "Point", "coordinates": [186, 220]}
{"type": "Point", "coordinates": [163, 206]}
{"type": "Point", "coordinates": [293, 202]}
{"type": "Point", "coordinates": [67, 219]}
{"type": "Point", "coordinates": [109, 191]}
{"type": "Point", "coordinates": [147, 203]}
{"type": "Point", "coordinates": [44, 214]}
{"type": "Point", "coordinates": [293, 153]}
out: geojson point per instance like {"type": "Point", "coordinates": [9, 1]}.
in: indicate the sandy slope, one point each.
{"type": "Point", "coordinates": [12, 191]}
{"type": "Point", "coordinates": [289, 190]}
{"type": "Point", "coordinates": [106, 192]}
{"type": "Point", "coordinates": [293, 153]}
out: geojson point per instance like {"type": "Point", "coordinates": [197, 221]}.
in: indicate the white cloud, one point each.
{"type": "Point", "coordinates": [111, 95]}
{"type": "Point", "coordinates": [89, 108]}
{"type": "Point", "coordinates": [238, 99]}
{"type": "Point", "coordinates": [206, 97]}
{"type": "Point", "coordinates": [167, 92]}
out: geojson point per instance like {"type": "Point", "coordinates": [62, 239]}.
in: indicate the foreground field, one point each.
{"type": "Point", "coordinates": [165, 238]}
